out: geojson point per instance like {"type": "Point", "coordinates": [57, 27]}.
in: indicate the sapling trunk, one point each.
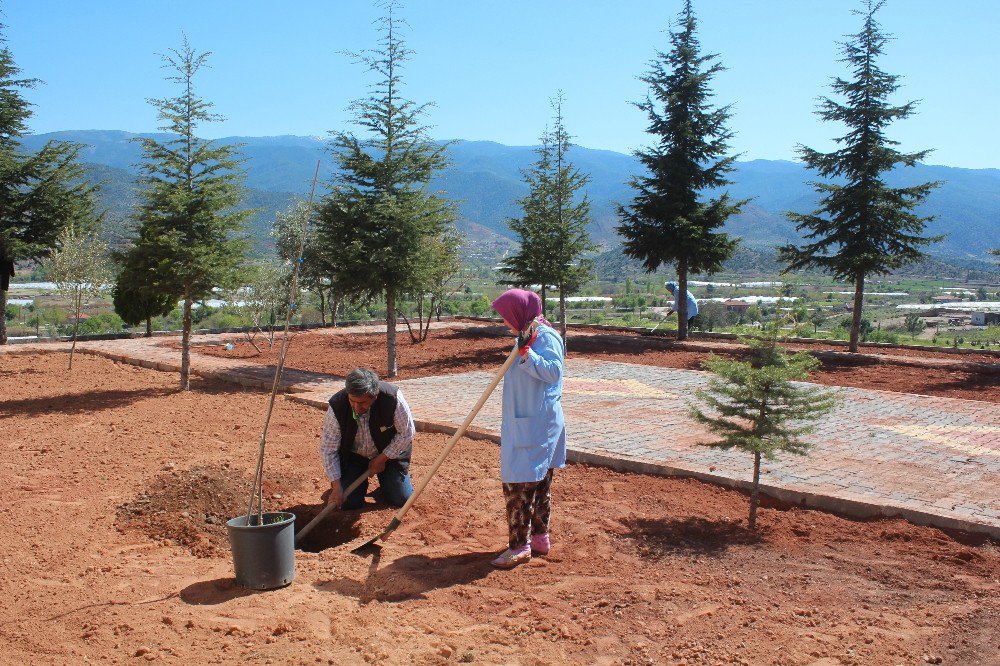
{"type": "Point", "coordinates": [562, 312]}
{"type": "Point", "coordinates": [3, 319]}
{"type": "Point", "coordinates": [390, 333]}
{"type": "Point", "coordinates": [859, 296]}
{"type": "Point", "coordinates": [681, 297]}
{"type": "Point", "coordinates": [78, 302]}
{"type": "Point", "coordinates": [755, 493]}
{"type": "Point", "coordinates": [149, 327]}
{"type": "Point", "coordinates": [186, 345]}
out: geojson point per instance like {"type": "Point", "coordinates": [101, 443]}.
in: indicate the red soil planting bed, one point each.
{"type": "Point", "coordinates": [484, 348]}
{"type": "Point", "coordinates": [113, 482]}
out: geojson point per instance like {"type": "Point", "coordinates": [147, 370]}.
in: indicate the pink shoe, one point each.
{"type": "Point", "coordinates": [540, 544]}
{"type": "Point", "coordinates": [510, 558]}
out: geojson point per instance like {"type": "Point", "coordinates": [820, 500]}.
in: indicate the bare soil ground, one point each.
{"type": "Point", "coordinates": [114, 485]}
{"type": "Point", "coordinates": [484, 347]}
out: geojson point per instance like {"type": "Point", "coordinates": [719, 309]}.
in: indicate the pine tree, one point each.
{"type": "Point", "coordinates": [862, 227]}
{"type": "Point", "coordinates": [570, 271]}
{"type": "Point", "coordinates": [135, 304]}
{"type": "Point", "coordinates": [553, 231]}
{"type": "Point", "coordinates": [80, 266]}
{"type": "Point", "coordinates": [669, 221]}
{"type": "Point", "coordinates": [756, 408]}
{"type": "Point", "coordinates": [528, 266]}
{"type": "Point", "coordinates": [188, 222]}
{"type": "Point", "coordinates": [374, 224]}
{"type": "Point", "coordinates": [41, 193]}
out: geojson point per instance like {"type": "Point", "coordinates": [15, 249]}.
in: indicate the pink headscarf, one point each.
{"type": "Point", "coordinates": [519, 307]}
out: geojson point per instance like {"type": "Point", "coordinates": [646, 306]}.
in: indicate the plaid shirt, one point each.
{"type": "Point", "coordinates": [329, 442]}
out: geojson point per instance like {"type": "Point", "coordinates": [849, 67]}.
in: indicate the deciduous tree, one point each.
{"type": "Point", "coordinates": [80, 266]}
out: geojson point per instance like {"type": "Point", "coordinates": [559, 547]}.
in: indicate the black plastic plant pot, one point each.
{"type": "Point", "coordinates": [263, 555]}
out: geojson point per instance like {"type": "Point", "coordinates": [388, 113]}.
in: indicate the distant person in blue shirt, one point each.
{"type": "Point", "coordinates": [532, 430]}
{"type": "Point", "coordinates": [692, 305]}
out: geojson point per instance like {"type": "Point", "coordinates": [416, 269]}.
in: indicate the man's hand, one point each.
{"type": "Point", "coordinates": [377, 464]}
{"type": "Point", "coordinates": [526, 338]}
{"type": "Point", "coordinates": [336, 496]}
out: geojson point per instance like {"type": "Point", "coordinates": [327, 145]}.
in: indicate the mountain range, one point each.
{"type": "Point", "coordinates": [484, 178]}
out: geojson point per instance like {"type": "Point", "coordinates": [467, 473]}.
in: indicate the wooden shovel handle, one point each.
{"type": "Point", "coordinates": [328, 508]}
{"type": "Point", "coordinates": [451, 442]}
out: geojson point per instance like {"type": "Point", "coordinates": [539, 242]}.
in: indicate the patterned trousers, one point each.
{"type": "Point", "coordinates": [529, 506]}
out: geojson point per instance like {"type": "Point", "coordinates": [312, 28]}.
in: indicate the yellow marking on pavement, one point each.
{"type": "Point", "coordinates": [629, 388]}
{"type": "Point", "coordinates": [952, 436]}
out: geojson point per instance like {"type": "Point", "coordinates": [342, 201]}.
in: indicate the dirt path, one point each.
{"type": "Point", "coordinates": [484, 347]}
{"type": "Point", "coordinates": [113, 486]}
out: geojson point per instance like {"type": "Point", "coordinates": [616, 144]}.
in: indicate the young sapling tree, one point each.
{"type": "Point", "coordinates": [756, 407]}
{"type": "Point", "coordinates": [81, 269]}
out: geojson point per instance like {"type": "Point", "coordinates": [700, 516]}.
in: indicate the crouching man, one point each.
{"type": "Point", "coordinates": [368, 430]}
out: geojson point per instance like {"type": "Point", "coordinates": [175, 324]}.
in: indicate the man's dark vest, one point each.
{"type": "Point", "coordinates": [380, 418]}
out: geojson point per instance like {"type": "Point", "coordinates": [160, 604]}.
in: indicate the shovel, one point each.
{"type": "Point", "coordinates": [328, 508]}
{"type": "Point", "coordinates": [398, 518]}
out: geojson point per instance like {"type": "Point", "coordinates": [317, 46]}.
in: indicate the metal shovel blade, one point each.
{"type": "Point", "coordinates": [381, 536]}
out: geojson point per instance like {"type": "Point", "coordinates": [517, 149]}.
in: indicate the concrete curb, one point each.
{"type": "Point", "coordinates": [837, 505]}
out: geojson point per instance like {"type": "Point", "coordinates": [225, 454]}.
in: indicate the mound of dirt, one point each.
{"type": "Point", "coordinates": [190, 507]}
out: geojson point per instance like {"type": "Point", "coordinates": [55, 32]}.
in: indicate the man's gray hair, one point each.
{"type": "Point", "coordinates": [361, 381]}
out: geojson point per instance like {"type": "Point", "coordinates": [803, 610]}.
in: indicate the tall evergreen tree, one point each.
{"type": "Point", "coordinates": [187, 241]}
{"type": "Point", "coordinates": [373, 225]}
{"type": "Point", "coordinates": [670, 221]}
{"type": "Point", "coordinates": [862, 227]}
{"type": "Point", "coordinates": [553, 231]}
{"type": "Point", "coordinates": [528, 266]}
{"type": "Point", "coordinates": [571, 216]}
{"type": "Point", "coordinates": [41, 193]}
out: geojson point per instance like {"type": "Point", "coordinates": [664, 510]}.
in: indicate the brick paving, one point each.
{"type": "Point", "coordinates": [931, 460]}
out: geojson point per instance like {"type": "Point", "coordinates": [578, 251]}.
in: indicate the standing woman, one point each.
{"type": "Point", "coordinates": [532, 432]}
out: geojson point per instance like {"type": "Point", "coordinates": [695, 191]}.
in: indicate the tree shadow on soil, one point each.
{"type": "Point", "coordinates": [411, 577]}
{"type": "Point", "coordinates": [212, 592]}
{"type": "Point", "coordinates": [485, 358]}
{"type": "Point", "coordinates": [967, 381]}
{"type": "Point", "coordinates": [693, 535]}
{"type": "Point", "coordinates": [80, 403]}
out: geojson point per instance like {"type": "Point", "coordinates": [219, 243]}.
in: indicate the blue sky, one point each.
{"type": "Point", "coordinates": [491, 66]}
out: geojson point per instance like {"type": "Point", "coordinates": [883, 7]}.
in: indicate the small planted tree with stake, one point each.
{"type": "Point", "coordinates": [756, 407]}
{"type": "Point", "coordinates": [81, 270]}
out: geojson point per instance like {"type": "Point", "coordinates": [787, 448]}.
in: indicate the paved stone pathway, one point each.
{"type": "Point", "coordinates": [931, 460]}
